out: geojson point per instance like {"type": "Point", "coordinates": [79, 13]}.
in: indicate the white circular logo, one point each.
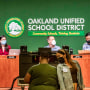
{"type": "Point", "coordinates": [14, 27]}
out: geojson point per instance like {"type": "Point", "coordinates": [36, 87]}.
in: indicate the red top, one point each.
{"type": "Point", "coordinates": [5, 52]}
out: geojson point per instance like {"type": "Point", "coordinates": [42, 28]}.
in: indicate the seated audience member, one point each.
{"type": "Point", "coordinates": [42, 76]}
{"type": "Point", "coordinates": [4, 48]}
{"type": "Point", "coordinates": [69, 72]}
{"type": "Point", "coordinates": [52, 44]}
{"type": "Point", "coordinates": [86, 46]}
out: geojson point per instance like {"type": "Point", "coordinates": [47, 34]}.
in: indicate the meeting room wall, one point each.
{"type": "Point", "coordinates": [25, 9]}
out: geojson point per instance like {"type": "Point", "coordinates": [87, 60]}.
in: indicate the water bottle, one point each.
{"type": "Point", "coordinates": [71, 51]}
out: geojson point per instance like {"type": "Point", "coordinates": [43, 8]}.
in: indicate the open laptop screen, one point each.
{"type": "Point", "coordinates": [14, 51]}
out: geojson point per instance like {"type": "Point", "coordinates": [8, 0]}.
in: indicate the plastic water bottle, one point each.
{"type": "Point", "coordinates": [71, 51]}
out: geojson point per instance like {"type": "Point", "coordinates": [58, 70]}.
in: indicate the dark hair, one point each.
{"type": "Point", "coordinates": [44, 55]}
{"type": "Point", "coordinates": [69, 59]}
{"type": "Point", "coordinates": [87, 34]}
{"type": "Point", "coordinates": [49, 37]}
{"type": "Point", "coordinates": [6, 46]}
{"type": "Point", "coordinates": [0, 37]}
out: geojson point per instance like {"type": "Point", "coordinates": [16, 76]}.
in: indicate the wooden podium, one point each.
{"type": "Point", "coordinates": [9, 69]}
{"type": "Point", "coordinates": [84, 61]}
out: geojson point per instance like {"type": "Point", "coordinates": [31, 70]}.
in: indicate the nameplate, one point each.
{"type": "Point", "coordinates": [11, 57]}
{"type": "Point", "coordinates": [77, 56]}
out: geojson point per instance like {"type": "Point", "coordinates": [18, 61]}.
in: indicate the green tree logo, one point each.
{"type": "Point", "coordinates": [14, 27]}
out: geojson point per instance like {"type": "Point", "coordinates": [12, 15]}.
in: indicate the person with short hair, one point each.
{"type": "Point", "coordinates": [4, 47]}
{"type": "Point", "coordinates": [86, 45]}
{"type": "Point", "coordinates": [52, 44]}
{"type": "Point", "coordinates": [69, 72]}
{"type": "Point", "coordinates": [42, 76]}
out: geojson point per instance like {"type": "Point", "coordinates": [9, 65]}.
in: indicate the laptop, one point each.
{"type": "Point", "coordinates": [14, 51]}
{"type": "Point", "coordinates": [40, 50]}
{"type": "Point", "coordinates": [83, 51]}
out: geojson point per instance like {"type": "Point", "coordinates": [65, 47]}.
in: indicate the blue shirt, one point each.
{"type": "Point", "coordinates": [86, 46]}
{"type": "Point", "coordinates": [56, 48]}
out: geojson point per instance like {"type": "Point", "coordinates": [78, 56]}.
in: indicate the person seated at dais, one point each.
{"type": "Point", "coordinates": [4, 48]}
{"type": "Point", "coordinates": [86, 45]}
{"type": "Point", "coordinates": [52, 44]}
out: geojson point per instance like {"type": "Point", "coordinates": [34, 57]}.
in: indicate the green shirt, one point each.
{"type": "Point", "coordinates": [43, 77]}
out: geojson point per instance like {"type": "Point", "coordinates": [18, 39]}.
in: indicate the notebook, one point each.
{"type": "Point", "coordinates": [14, 51]}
